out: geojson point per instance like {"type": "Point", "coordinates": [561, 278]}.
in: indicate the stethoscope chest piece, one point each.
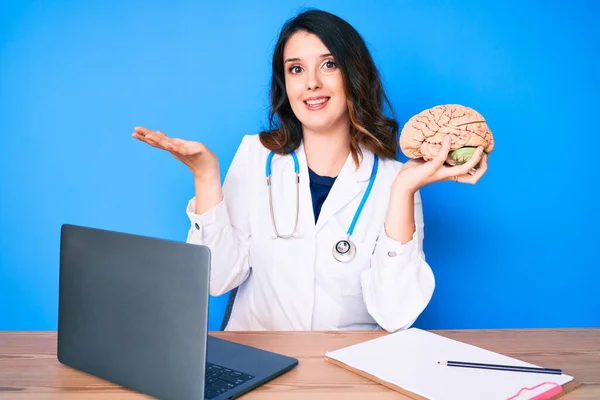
{"type": "Point", "coordinates": [344, 250]}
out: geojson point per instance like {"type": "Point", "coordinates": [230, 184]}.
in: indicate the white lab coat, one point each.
{"type": "Point", "coordinates": [296, 284]}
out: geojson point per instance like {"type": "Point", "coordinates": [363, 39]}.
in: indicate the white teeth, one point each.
{"type": "Point", "coordinates": [316, 102]}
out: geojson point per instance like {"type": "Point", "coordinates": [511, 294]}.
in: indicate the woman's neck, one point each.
{"type": "Point", "coordinates": [326, 153]}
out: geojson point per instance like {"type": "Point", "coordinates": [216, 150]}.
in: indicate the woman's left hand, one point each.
{"type": "Point", "coordinates": [417, 173]}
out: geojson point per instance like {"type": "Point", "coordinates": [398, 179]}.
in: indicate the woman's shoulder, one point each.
{"type": "Point", "coordinates": [251, 151]}
{"type": "Point", "coordinates": [390, 165]}
{"type": "Point", "coordinates": [251, 142]}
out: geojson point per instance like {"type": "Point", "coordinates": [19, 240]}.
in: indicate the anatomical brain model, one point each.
{"type": "Point", "coordinates": [423, 134]}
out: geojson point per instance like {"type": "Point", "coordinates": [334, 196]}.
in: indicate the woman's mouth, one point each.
{"type": "Point", "coordinates": [316, 103]}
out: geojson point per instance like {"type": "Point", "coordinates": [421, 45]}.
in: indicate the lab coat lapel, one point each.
{"type": "Point", "coordinates": [348, 185]}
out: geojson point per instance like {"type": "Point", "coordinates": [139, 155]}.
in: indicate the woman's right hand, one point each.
{"type": "Point", "coordinates": [201, 161]}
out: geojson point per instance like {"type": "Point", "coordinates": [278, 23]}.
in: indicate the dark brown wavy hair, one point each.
{"type": "Point", "coordinates": [362, 84]}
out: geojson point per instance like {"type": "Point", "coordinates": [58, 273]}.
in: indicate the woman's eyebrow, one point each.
{"type": "Point", "coordinates": [299, 59]}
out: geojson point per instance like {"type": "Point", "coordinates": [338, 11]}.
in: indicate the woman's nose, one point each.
{"type": "Point", "coordinates": [313, 82]}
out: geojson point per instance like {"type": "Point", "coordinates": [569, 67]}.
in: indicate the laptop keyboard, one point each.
{"type": "Point", "coordinates": [220, 379]}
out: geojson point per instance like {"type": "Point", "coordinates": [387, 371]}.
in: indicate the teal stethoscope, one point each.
{"type": "Point", "coordinates": [344, 250]}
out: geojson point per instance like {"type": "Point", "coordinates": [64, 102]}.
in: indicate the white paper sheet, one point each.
{"type": "Point", "coordinates": [409, 359]}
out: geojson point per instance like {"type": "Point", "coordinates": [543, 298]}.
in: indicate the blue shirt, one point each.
{"type": "Point", "coordinates": [319, 189]}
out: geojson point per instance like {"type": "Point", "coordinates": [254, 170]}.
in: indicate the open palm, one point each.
{"type": "Point", "coordinates": [195, 155]}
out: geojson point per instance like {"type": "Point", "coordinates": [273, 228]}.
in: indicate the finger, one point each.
{"type": "Point", "coordinates": [166, 143]}
{"type": "Point", "coordinates": [464, 169]}
{"type": "Point", "coordinates": [453, 178]}
{"type": "Point", "coordinates": [138, 137]}
{"type": "Point", "coordinates": [475, 159]}
{"type": "Point", "coordinates": [483, 167]}
{"type": "Point", "coordinates": [474, 178]}
{"type": "Point", "coordinates": [144, 139]}
{"type": "Point", "coordinates": [442, 156]}
{"type": "Point", "coordinates": [145, 131]}
{"type": "Point", "coordinates": [141, 130]}
{"type": "Point", "coordinates": [159, 141]}
{"type": "Point", "coordinates": [433, 167]}
{"type": "Point", "coordinates": [156, 138]}
{"type": "Point", "coordinates": [450, 161]}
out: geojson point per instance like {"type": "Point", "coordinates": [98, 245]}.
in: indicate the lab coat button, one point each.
{"type": "Point", "coordinates": [197, 226]}
{"type": "Point", "coordinates": [392, 253]}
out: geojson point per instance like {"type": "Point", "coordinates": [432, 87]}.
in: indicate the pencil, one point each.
{"type": "Point", "coordinates": [515, 368]}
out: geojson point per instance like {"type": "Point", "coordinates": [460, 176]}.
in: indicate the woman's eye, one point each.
{"type": "Point", "coordinates": [296, 69]}
{"type": "Point", "coordinates": [330, 64]}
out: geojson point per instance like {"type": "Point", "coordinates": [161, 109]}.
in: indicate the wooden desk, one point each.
{"type": "Point", "coordinates": [29, 368]}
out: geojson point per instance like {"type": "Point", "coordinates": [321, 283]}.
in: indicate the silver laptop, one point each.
{"type": "Point", "coordinates": [133, 310]}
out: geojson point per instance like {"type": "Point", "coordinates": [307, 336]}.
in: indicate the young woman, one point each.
{"type": "Point", "coordinates": [317, 225]}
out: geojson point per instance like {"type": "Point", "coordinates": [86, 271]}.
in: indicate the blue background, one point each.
{"type": "Point", "coordinates": [519, 249]}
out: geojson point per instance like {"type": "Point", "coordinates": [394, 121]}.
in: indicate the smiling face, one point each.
{"type": "Point", "coordinates": [314, 84]}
